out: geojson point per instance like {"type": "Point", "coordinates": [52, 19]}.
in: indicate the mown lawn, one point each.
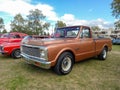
{"type": "Point", "coordinates": [91, 74]}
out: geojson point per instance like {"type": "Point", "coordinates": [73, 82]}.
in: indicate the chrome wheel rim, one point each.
{"type": "Point", "coordinates": [104, 53]}
{"type": "Point", "coordinates": [17, 54]}
{"type": "Point", "coordinates": [66, 63]}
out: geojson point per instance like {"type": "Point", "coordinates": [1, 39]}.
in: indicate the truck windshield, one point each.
{"type": "Point", "coordinates": [70, 32]}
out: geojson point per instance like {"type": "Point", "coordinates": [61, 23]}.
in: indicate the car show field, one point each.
{"type": "Point", "coordinates": [90, 74]}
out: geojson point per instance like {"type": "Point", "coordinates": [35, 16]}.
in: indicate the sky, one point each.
{"type": "Point", "coordinates": [72, 12]}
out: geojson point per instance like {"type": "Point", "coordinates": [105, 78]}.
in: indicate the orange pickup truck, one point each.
{"type": "Point", "coordinates": [67, 46]}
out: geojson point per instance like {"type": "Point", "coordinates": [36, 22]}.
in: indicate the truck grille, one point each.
{"type": "Point", "coordinates": [33, 51]}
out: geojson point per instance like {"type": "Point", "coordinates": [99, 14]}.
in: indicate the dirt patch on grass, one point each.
{"type": "Point", "coordinates": [116, 52]}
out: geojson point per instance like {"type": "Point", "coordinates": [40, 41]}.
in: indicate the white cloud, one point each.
{"type": "Point", "coordinates": [70, 19]}
{"type": "Point", "coordinates": [13, 7]}
{"type": "Point", "coordinates": [48, 11]}
{"type": "Point", "coordinates": [7, 26]}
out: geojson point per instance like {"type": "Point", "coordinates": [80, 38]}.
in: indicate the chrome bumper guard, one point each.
{"type": "Point", "coordinates": [36, 61]}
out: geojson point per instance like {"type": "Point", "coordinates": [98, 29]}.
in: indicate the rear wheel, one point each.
{"type": "Point", "coordinates": [103, 54]}
{"type": "Point", "coordinates": [16, 53]}
{"type": "Point", "coordinates": [64, 64]}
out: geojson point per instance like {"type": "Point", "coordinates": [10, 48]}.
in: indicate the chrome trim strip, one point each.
{"type": "Point", "coordinates": [32, 60]}
{"type": "Point", "coordinates": [41, 47]}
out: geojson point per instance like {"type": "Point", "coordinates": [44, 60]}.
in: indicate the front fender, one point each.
{"type": "Point", "coordinates": [67, 49]}
{"type": "Point", "coordinates": [10, 47]}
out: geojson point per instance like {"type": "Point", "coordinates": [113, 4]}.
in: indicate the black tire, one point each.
{"type": "Point", "coordinates": [16, 53]}
{"type": "Point", "coordinates": [103, 54]}
{"type": "Point", "coordinates": [64, 64]}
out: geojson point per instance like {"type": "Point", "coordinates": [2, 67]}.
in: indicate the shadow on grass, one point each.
{"type": "Point", "coordinates": [5, 57]}
{"type": "Point", "coordinates": [35, 69]}
{"type": "Point", "coordinates": [32, 69]}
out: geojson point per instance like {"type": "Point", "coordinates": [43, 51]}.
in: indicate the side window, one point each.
{"type": "Point", "coordinates": [85, 33]}
{"type": "Point", "coordinates": [17, 36]}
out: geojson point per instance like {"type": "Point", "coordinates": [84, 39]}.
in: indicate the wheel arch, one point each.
{"type": "Point", "coordinates": [61, 52]}
{"type": "Point", "coordinates": [106, 47]}
{"type": "Point", "coordinates": [71, 53]}
{"type": "Point", "coordinates": [59, 67]}
{"type": "Point", "coordinates": [14, 50]}
{"type": "Point", "coordinates": [13, 55]}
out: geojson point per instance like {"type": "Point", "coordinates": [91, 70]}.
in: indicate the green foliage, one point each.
{"type": "Point", "coordinates": [117, 24]}
{"type": "Point", "coordinates": [1, 24]}
{"type": "Point", "coordinates": [32, 25]}
{"type": "Point", "coordinates": [60, 24]}
{"type": "Point", "coordinates": [35, 22]}
{"type": "Point", "coordinates": [95, 28]}
{"type": "Point", "coordinates": [4, 31]}
{"type": "Point", "coordinates": [18, 24]}
{"type": "Point", "coordinates": [115, 6]}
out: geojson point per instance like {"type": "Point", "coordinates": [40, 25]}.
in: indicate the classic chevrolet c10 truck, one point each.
{"type": "Point", "coordinates": [68, 45]}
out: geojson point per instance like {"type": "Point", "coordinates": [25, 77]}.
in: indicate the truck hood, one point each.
{"type": "Point", "coordinates": [2, 40]}
{"type": "Point", "coordinates": [48, 41]}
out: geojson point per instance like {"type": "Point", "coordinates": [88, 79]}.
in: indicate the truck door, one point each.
{"type": "Point", "coordinates": [86, 44]}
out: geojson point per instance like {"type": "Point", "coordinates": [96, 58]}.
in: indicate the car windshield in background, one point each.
{"type": "Point", "coordinates": [6, 35]}
{"type": "Point", "coordinates": [71, 32]}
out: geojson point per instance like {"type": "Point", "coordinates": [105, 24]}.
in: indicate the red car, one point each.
{"type": "Point", "coordinates": [10, 44]}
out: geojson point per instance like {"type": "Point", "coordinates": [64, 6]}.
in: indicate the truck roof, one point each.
{"type": "Point", "coordinates": [74, 26]}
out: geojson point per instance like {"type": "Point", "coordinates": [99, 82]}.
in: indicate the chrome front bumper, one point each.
{"type": "Point", "coordinates": [36, 61]}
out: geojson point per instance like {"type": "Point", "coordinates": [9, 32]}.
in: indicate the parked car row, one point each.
{"type": "Point", "coordinates": [116, 41]}
{"type": "Point", "coordinates": [10, 44]}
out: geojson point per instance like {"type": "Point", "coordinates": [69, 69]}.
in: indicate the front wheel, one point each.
{"type": "Point", "coordinates": [64, 64]}
{"type": "Point", "coordinates": [16, 53]}
{"type": "Point", "coordinates": [103, 54]}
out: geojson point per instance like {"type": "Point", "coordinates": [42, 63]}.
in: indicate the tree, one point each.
{"type": "Point", "coordinates": [60, 24]}
{"type": "Point", "coordinates": [4, 31]}
{"type": "Point", "coordinates": [2, 26]}
{"type": "Point", "coordinates": [36, 22]}
{"type": "Point", "coordinates": [117, 25]}
{"type": "Point", "coordinates": [95, 28]}
{"type": "Point", "coordinates": [115, 6]}
{"type": "Point", "coordinates": [18, 24]}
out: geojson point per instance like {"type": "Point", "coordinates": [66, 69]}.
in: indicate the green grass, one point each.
{"type": "Point", "coordinates": [116, 47]}
{"type": "Point", "coordinates": [91, 74]}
